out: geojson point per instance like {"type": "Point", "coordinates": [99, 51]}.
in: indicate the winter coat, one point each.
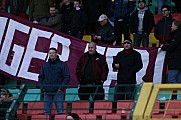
{"type": "Point", "coordinates": [129, 65]}
{"type": "Point", "coordinates": [54, 75]}
{"type": "Point", "coordinates": [162, 30]}
{"type": "Point", "coordinates": [174, 51]}
{"type": "Point", "coordinates": [100, 67]}
{"type": "Point", "coordinates": [148, 22]}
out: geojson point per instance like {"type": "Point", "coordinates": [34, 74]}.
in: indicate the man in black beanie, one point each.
{"type": "Point", "coordinates": [128, 62]}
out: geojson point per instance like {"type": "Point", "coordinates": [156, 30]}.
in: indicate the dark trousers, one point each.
{"type": "Point", "coordinates": [121, 28]}
{"type": "Point", "coordinates": [96, 91]}
{"type": "Point", "coordinates": [141, 38]}
{"type": "Point", "coordinates": [123, 92]}
{"type": "Point", "coordinates": [91, 28]}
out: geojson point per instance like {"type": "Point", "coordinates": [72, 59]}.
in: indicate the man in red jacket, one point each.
{"type": "Point", "coordinates": [91, 72]}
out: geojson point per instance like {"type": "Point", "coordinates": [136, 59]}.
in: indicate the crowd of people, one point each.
{"type": "Point", "coordinates": [105, 20]}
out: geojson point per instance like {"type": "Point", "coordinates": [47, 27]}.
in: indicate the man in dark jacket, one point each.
{"type": "Point", "coordinates": [78, 20]}
{"type": "Point", "coordinates": [93, 9]}
{"type": "Point", "coordinates": [104, 34]}
{"type": "Point", "coordinates": [54, 21]}
{"type": "Point", "coordinates": [128, 62]}
{"type": "Point", "coordinates": [174, 54]}
{"type": "Point", "coordinates": [91, 72]}
{"type": "Point", "coordinates": [163, 30]}
{"type": "Point", "coordinates": [53, 78]}
{"type": "Point", "coordinates": [121, 10]}
{"type": "Point", "coordinates": [16, 6]}
{"type": "Point", "coordinates": [66, 11]}
{"type": "Point", "coordinates": [141, 24]}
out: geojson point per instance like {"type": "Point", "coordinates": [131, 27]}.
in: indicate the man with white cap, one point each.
{"type": "Point", "coordinates": [105, 33]}
{"type": "Point", "coordinates": [128, 62]}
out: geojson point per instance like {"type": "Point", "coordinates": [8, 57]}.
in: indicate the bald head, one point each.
{"type": "Point", "coordinates": [92, 48]}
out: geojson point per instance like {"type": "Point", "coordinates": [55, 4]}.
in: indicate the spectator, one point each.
{"type": "Point", "coordinates": [163, 29]}
{"type": "Point", "coordinates": [141, 24]}
{"type": "Point", "coordinates": [121, 10]}
{"type": "Point", "coordinates": [17, 7]}
{"type": "Point", "coordinates": [5, 102]}
{"type": "Point", "coordinates": [54, 21]}
{"type": "Point", "coordinates": [58, 5]}
{"type": "Point", "coordinates": [39, 10]}
{"type": "Point", "coordinates": [177, 5]}
{"type": "Point", "coordinates": [73, 116]}
{"type": "Point", "coordinates": [53, 78]}
{"type": "Point", "coordinates": [173, 54]}
{"type": "Point", "coordinates": [128, 62]}
{"type": "Point", "coordinates": [104, 34]}
{"type": "Point", "coordinates": [78, 21]}
{"type": "Point", "coordinates": [66, 11]}
{"type": "Point", "coordinates": [93, 9]}
{"type": "Point", "coordinates": [161, 3]}
{"type": "Point", "coordinates": [91, 72]}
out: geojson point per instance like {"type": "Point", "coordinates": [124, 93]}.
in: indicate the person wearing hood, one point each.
{"type": "Point", "coordinates": [128, 62]}
{"type": "Point", "coordinates": [6, 99]}
{"type": "Point", "coordinates": [141, 24]}
{"type": "Point", "coordinates": [162, 30]}
{"type": "Point", "coordinates": [53, 78]}
{"type": "Point", "coordinates": [174, 54]}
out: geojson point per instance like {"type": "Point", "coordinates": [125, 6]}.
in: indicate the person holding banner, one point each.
{"type": "Point", "coordinates": [53, 78]}
{"type": "Point", "coordinates": [128, 62]}
{"type": "Point", "coordinates": [174, 54]}
{"type": "Point", "coordinates": [91, 72]}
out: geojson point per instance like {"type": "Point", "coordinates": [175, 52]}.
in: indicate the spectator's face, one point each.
{"type": "Point", "coordinates": [92, 48]}
{"type": "Point", "coordinates": [52, 54]}
{"type": "Point", "coordinates": [141, 5]}
{"type": "Point", "coordinates": [3, 97]}
{"type": "Point", "coordinates": [165, 12]}
{"type": "Point", "coordinates": [66, 1]}
{"type": "Point", "coordinates": [52, 11]}
{"type": "Point", "coordinates": [103, 22]}
{"type": "Point", "coordinates": [127, 46]}
{"type": "Point", "coordinates": [76, 4]}
{"type": "Point", "coordinates": [173, 27]}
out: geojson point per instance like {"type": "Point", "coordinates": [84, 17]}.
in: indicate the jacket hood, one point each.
{"type": "Point", "coordinates": [144, 9]}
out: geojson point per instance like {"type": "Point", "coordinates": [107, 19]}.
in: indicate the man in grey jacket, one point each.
{"type": "Point", "coordinates": [54, 21]}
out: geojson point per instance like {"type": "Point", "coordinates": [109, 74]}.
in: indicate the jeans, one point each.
{"type": "Point", "coordinates": [174, 76]}
{"type": "Point", "coordinates": [138, 38]}
{"type": "Point", "coordinates": [40, 19]}
{"type": "Point", "coordinates": [161, 3]}
{"type": "Point", "coordinates": [49, 98]}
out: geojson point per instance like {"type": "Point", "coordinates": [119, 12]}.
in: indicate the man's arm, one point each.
{"type": "Point", "coordinates": [56, 20]}
{"type": "Point", "coordinates": [105, 69]}
{"type": "Point", "coordinates": [41, 78]}
{"type": "Point", "coordinates": [138, 63]}
{"type": "Point", "coordinates": [66, 76]}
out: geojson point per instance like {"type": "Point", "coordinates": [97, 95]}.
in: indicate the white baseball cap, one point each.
{"type": "Point", "coordinates": [102, 17]}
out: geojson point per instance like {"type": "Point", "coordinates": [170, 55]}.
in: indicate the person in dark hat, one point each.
{"type": "Point", "coordinates": [128, 62]}
{"type": "Point", "coordinates": [141, 24]}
